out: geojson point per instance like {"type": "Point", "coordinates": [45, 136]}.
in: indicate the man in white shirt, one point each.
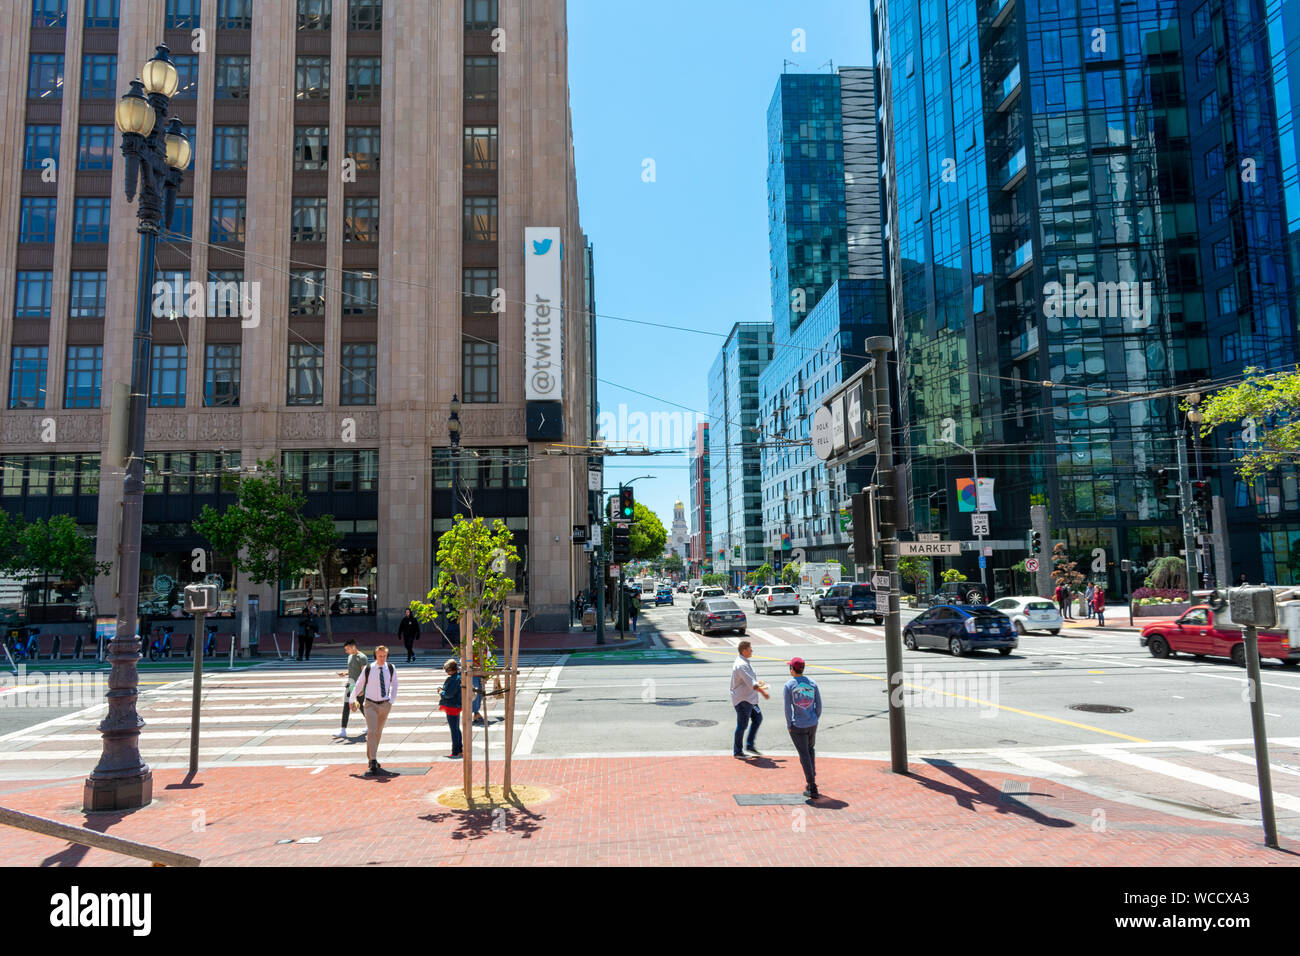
{"type": "Point", "coordinates": [377, 686]}
{"type": "Point", "coordinates": [745, 688]}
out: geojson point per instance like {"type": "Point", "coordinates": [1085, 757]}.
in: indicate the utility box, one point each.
{"type": "Point", "coordinates": [200, 599]}
{"type": "Point", "coordinates": [1252, 606]}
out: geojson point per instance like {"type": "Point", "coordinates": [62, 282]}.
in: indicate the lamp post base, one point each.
{"type": "Point", "coordinates": [128, 791]}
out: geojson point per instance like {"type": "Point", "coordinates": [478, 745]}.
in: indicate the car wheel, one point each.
{"type": "Point", "coordinates": [955, 648]}
{"type": "Point", "coordinates": [1239, 655]}
{"type": "Point", "coordinates": [1004, 651]}
{"type": "Point", "coordinates": [1291, 662]}
{"type": "Point", "coordinates": [1020, 628]}
{"type": "Point", "coordinates": [1159, 646]}
{"type": "Point", "coordinates": [818, 614]}
{"type": "Point", "coordinates": [740, 631]}
{"type": "Point", "coordinates": [794, 610]}
{"type": "Point", "coordinates": [909, 641]}
{"type": "Point", "coordinates": [974, 597]}
{"type": "Point", "coordinates": [877, 621]}
{"type": "Point", "coordinates": [844, 618]}
{"type": "Point", "coordinates": [1055, 630]}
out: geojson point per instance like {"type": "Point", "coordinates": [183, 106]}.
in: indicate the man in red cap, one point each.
{"type": "Point", "coordinates": [803, 709]}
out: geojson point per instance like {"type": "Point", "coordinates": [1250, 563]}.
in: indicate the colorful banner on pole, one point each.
{"type": "Point", "coordinates": [966, 494]}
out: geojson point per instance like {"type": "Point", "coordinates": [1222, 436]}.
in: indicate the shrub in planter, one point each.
{"type": "Point", "coordinates": [1165, 595]}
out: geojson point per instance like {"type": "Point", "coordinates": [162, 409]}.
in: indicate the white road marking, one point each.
{"type": "Point", "coordinates": [1200, 778]}
{"type": "Point", "coordinates": [769, 637]}
{"type": "Point", "coordinates": [690, 639]}
{"type": "Point", "coordinates": [1037, 765]}
{"type": "Point", "coordinates": [1236, 758]}
{"type": "Point", "coordinates": [528, 737]}
{"type": "Point", "coordinates": [733, 641]}
{"type": "Point", "coordinates": [656, 640]}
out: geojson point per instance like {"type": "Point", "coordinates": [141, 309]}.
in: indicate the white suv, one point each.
{"type": "Point", "coordinates": [776, 597]}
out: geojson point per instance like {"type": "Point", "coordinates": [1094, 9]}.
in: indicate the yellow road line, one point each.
{"type": "Point", "coordinates": [976, 700]}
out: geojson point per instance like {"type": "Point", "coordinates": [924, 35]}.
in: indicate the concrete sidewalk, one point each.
{"type": "Point", "coordinates": [631, 811]}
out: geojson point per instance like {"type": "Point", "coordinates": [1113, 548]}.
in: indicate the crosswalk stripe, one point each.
{"type": "Point", "coordinates": [1038, 765]}
{"type": "Point", "coordinates": [733, 641]}
{"type": "Point", "coordinates": [690, 639]}
{"type": "Point", "coordinates": [1235, 757]}
{"type": "Point", "coordinates": [1190, 775]}
{"type": "Point", "coordinates": [769, 637]}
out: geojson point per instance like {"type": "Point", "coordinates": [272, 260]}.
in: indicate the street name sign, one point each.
{"type": "Point", "coordinates": [928, 536]}
{"type": "Point", "coordinates": [929, 549]}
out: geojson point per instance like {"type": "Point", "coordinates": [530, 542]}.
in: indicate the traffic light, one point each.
{"type": "Point", "coordinates": [1201, 495]}
{"type": "Point", "coordinates": [622, 541]}
{"type": "Point", "coordinates": [626, 504]}
{"type": "Point", "coordinates": [1161, 483]}
{"type": "Point", "coordinates": [1035, 542]}
{"type": "Point", "coordinates": [864, 530]}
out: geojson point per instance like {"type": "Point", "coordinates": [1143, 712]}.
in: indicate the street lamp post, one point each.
{"type": "Point", "coordinates": [155, 160]}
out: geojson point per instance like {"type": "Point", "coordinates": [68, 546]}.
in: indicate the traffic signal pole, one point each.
{"type": "Point", "coordinates": [1189, 532]}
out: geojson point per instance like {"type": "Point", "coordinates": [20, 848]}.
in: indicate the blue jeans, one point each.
{"type": "Point", "coordinates": [746, 714]}
{"type": "Point", "coordinates": [453, 721]}
{"type": "Point", "coordinates": [478, 697]}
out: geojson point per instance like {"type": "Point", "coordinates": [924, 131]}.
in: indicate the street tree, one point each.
{"type": "Point", "coordinates": [1265, 411]}
{"type": "Point", "coordinates": [673, 564]}
{"type": "Point", "coordinates": [55, 548]}
{"type": "Point", "coordinates": [1065, 571]}
{"type": "Point", "coordinates": [915, 570]}
{"type": "Point", "coordinates": [952, 574]}
{"type": "Point", "coordinates": [266, 534]}
{"type": "Point", "coordinates": [790, 573]}
{"type": "Point", "coordinates": [716, 580]}
{"type": "Point", "coordinates": [760, 575]}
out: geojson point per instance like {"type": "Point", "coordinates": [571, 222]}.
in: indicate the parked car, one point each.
{"type": "Point", "coordinates": [355, 597]}
{"type": "Point", "coordinates": [959, 592]}
{"type": "Point", "coordinates": [961, 628]}
{"type": "Point", "coordinates": [663, 596]}
{"type": "Point", "coordinates": [776, 597]}
{"type": "Point", "coordinates": [709, 592]}
{"type": "Point", "coordinates": [847, 602]}
{"type": "Point", "coordinates": [716, 614]}
{"type": "Point", "coordinates": [1030, 614]}
{"type": "Point", "coordinates": [1194, 633]}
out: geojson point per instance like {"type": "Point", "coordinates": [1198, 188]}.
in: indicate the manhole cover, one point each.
{"type": "Point", "coordinates": [1101, 708]}
{"type": "Point", "coordinates": [673, 703]}
{"type": "Point", "coordinates": [697, 722]}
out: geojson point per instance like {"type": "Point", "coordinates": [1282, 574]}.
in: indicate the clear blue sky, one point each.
{"type": "Point", "coordinates": [687, 85]}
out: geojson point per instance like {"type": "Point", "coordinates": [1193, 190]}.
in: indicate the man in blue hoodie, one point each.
{"type": "Point", "coordinates": [803, 708]}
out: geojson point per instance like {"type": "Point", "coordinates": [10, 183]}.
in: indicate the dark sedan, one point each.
{"type": "Point", "coordinates": [715, 615]}
{"type": "Point", "coordinates": [959, 629]}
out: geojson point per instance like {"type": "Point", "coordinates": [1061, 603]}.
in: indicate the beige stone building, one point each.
{"type": "Point", "coordinates": [367, 169]}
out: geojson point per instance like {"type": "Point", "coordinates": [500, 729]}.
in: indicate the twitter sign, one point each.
{"type": "Point", "coordinates": [543, 314]}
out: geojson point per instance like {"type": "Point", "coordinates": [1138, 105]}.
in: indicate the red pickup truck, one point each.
{"type": "Point", "coordinates": [1194, 633]}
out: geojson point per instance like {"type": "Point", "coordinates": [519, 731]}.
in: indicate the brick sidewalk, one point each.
{"type": "Point", "coordinates": [677, 811]}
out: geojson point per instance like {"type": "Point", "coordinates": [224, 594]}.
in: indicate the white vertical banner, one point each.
{"type": "Point", "coordinates": [543, 314]}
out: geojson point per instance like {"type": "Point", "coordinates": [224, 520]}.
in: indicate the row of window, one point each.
{"type": "Point", "coordinates": [49, 475]}
{"type": "Point", "coordinates": [358, 375]}
{"type": "Point", "coordinates": [231, 14]}
{"type": "Point", "coordinates": [233, 77]}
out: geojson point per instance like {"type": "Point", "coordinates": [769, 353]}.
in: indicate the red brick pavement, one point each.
{"type": "Point", "coordinates": [634, 811]}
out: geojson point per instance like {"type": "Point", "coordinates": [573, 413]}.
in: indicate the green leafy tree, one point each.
{"type": "Point", "coordinates": [915, 570]}
{"type": "Point", "coordinates": [266, 535]}
{"type": "Point", "coordinates": [790, 573]}
{"type": "Point", "coordinates": [1268, 406]}
{"type": "Point", "coordinates": [714, 580]}
{"type": "Point", "coordinates": [1169, 572]}
{"type": "Point", "coordinates": [760, 575]}
{"type": "Point", "coordinates": [647, 533]}
{"type": "Point", "coordinates": [952, 574]}
{"type": "Point", "coordinates": [674, 565]}
{"type": "Point", "coordinates": [474, 561]}
{"type": "Point", "coordinates": [55, 548]}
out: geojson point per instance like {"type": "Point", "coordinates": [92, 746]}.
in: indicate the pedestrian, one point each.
{"type": "Point", "coordinates": [745, 688]}
{"type": "Point", "coordinates": [356, 663]}
{"type": "Point", "coordinates": [1063, 600]}
{"type": "Point", "coordinates": [1087, 599]}
{"type": "Point", "coordinates": [634, 608]}
{"type": "Point", "coordinates": [306, 637]}
{"type": "Point", "coordinates": [1099, 605]}
{"type": "Point", "coordinates": [1241, 581]}
{"type": "Point", "coordinates": [374, 695]}
{"type": "Point", "coordinates": [803, 709]}
{"type": "Point", "coordinates": [409, 631]}
{"type": "Point", "coordinates": [449, 704]}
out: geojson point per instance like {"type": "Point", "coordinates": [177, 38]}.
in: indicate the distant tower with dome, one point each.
{"type": "Point", "coordinates": [680, 533]}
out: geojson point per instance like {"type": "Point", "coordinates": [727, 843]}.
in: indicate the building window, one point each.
{"type": "Point", "coordinates": [187, 75]}
{"type": "Point", "coordinates": [182, 223]}
{"type": "Point", "coordinates": [232, 81]}
{"type": "Point", "coordinates": [1214, 162]}
{"type": "Point", "coordinates": [1205, 64]}
{"type": "Point", "coordinates": [307, 292]}
{"type": "Point", "coordinates": [33, 294]}
{"type": "Point", "coordinates": [235, 14]}
{"type": "Point", "coordinates": [27, 376]}
{"type": "Point", "coordinates": [308, 220]}
{"type": "Point", "coordinates": [85, 369]}
{"type": "Point", "coordinates": [477, 287]}
{"type": "Point", "coordinates": [360, 293]}
{"type": "Point", "coordinates": [229, 215]}
{"type": "Point", "coordinates": [361, 144]}
{"type": "Point", "coordinates": [221, 376]}
{"type": "Point", "coordinates": [45, 76]}
{"type": "Point", "coordinates": [88, 295]}
{"type": "Point", "coordinates": [480, 14]}
{"type": "Point", "coordinates": [478, 371]}
{"type": "Point", "coordinates": [360, 365]}
{"type": "Point", "coordinates": [361, 219]}
{"type": "Point", "coordinates": [230, 147]}
{"type": "Point", "coordinates": [313, 78]}
{"type": "Point", "coordinates": [95, 147]}
{"type": "Point", "coordinates": [1201, 19]}
{"type": "Point", "coordinates": [1228, 300]}
{"type": "Point", "coordinates": [182, 14]}
{"type": "Point", "coordinates": [49, 14]}
{"type": "Point", "coordinates": [365, 14]}
{"type": "Point", "coordinates": [1209, 107]}
{"type": "Point", "coordinates": [480, 147]}
{"type": "Point", "coordinates": [90, 219]}
{"type": "Point", "coordinates": [311, 147]}
{"type": "Point", "coordinates": [101, 14]}
{"type": "Point", "coordinates": [481, 218]}
{"type": "Point", "coordinates": [1229, 346]}
{"type": "Point", "coordinates": [1223, 254]}
{"type": "Point", "coordinates": [313, 14]}
{"type": "Point", "coordinates": [364, 77]}
{"type": "Point", "coordinates": [481, 78]}
{"type": "Point", "coordinates": [42, 143]}
{"type": "Point", "coordinates": [167, 384]}
{"type": "Point", "coordinates": [36, 219]}
{"type": "Point", "coordinates": [1218, 206]}
{"type": "Point", "coordinates": [306, 374]}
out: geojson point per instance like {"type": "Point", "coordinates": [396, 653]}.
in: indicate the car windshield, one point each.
{"type": "Point", "coordinates": [783, 590]}
{"type": "Point", "coordinates": [982, 612]}
{"type": "Point", "coordinates": [1040, 606]}
{"type": "Point", "coordinates": [721, 605]}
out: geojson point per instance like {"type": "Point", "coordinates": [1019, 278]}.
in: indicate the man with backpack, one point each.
{"type": "Point", "coordinates": [377, 688]}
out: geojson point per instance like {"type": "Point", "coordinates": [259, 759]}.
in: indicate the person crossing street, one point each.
{"type": "Point", "coordinates": [377, 689]}
{"type": "Point", "coordinates": [802, 701]}
{"type": "Point", "coordinates": [356, 663]}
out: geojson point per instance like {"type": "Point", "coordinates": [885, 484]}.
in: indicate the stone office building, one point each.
{"type": "Point", "coordinates": [370, 170]}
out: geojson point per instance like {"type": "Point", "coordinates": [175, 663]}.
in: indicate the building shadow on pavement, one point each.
{"type": "Point", "coordinates": [976, 791]}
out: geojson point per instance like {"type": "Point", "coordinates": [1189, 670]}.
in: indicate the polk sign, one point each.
{"type": "Point", "coordinates": [543, 315]}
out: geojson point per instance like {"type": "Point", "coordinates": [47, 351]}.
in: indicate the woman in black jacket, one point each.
{"type": "Point", "coordinates": [409, 631]}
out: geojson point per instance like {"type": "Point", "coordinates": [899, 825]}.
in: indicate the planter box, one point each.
{"type": "Point", "coordinates": [1162, 610]}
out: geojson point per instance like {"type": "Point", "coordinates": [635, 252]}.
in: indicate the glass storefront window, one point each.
{"type": "Point", "coordinates": [38, 476]}
{"type": "Point", "coordinates": [368, 472]}
{"type": "Point", "coordinates": [318, 472]}
{"type": "Point", "coordinates": [65, 474]}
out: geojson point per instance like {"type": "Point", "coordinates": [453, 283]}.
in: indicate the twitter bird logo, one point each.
{"type": "Point", "coordinates": [542, 248]}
